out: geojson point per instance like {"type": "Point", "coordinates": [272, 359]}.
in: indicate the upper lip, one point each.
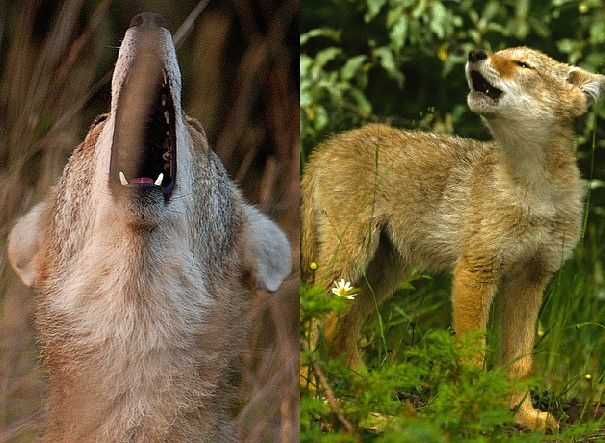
{"type": "Point", "coordinates": [143, 150]}
{"type": "Point", "coordinates": [480, 84]}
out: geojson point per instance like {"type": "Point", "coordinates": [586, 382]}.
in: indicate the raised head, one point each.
{"type": "Point", "coordinates": [515, 84]}
{"type": "Point", "coordinates": [145, 181]}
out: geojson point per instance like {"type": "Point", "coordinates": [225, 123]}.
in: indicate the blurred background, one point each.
{"type": "Point", "coordinates": [239, 60]}
{"type": "Point", "coordinates": [401, 62]}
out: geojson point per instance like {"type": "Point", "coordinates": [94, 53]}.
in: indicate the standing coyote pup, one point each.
{"type": "Point", "coordinates": [501, 215]}
{"type": "Point", "coordinates": [143, 258]}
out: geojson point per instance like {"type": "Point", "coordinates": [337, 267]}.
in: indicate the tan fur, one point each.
{"type": "Point", "coordinates": [142, 301]}
{"type": "Point", "coordinates": [502, 215]}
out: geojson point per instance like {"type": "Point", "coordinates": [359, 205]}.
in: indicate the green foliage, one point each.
{"type": "Point", "coordinates": [431, 394]}
{"type": "Point", "coordinates": [401, 61]}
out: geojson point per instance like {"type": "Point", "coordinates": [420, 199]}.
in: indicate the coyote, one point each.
{"type": "Point", "coordinates": [143, 258]}
{"type": "Point", "coordinates": [499, 215]}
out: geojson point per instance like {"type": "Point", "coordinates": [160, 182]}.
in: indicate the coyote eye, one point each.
{"type": "Point", "coordinates": [522, 64]}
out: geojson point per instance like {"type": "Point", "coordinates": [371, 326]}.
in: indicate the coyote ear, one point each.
{"type": "Point", "coordinates": [270, 250]}
{"type": "Point", "coordinates": [24, 244]}
{"type": "Point", "coordinates": [592, 85]}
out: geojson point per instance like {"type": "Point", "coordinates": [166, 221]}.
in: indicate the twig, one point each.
{"type": "Point", "coordinates": [185, 29]}
{"type": "Point", "coordinates": [252, 71]}
{"type": "Point", "coordinates": [329, 394]}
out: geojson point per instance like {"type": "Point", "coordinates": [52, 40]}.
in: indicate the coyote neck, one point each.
{"type": "Point", "coordinates": [535, 159]}
{"type": "Point", "coordinates": [132, 312]}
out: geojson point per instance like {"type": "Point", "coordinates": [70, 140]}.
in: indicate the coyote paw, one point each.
{"type": "Point", "coordinates": [534, 419]}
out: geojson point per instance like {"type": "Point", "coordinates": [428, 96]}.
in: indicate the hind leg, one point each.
{"type": "Point", "coordinates": [377, 284]}
{"type": "Point", "coordinates": [343, 252]}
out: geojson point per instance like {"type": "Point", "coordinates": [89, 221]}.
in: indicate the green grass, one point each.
{"type": "Point", "coordinates": [417, 388]}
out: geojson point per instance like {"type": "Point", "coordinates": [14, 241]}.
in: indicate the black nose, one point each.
{"type": "Point", "coordinates": [149, 19]}
{"type": "Point", "coordinates": [476, 55]}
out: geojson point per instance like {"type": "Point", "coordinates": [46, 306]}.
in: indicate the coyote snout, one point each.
{"type": "Point", "coordinates": [143, 257]}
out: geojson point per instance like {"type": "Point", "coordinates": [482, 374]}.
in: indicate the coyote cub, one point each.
{"type": "Point", "coordinates": [143, 258]}
{"type": "Point", "coordinates": [501, 215]}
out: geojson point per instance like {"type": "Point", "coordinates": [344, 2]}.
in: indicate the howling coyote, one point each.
{"type": "Point", "coordinates": [143, 258]}
{"type": "Point", "coordinates": [500, 215]}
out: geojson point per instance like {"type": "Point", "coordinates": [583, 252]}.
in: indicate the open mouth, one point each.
{"type": "Point", "coordinates": [143, 154]}
{"type": "Point", "coordinates": [483, 86]}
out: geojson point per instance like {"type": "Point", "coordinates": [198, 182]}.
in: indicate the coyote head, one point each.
{"type": "Point", "coordinates": [142, 257]}
{"type": "Point", "coordinates": [145, 187]}
{"type": "Point", "coordinates": [521, 84]}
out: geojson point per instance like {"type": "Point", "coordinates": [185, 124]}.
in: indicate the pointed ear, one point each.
{"type": "Point", "coordinates": [24, 244]}
{"type": "Point", "coordinates": [592, 85]}
{"type": "Point", "coordinates": [270, 250]}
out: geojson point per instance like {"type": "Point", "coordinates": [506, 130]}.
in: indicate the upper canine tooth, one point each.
{"type": "Point", "coordinates": [163, 100]}
{"type": "Point", "coordinates": [123, 180]}
{"type": "Point", "coordinates": [158, 182]}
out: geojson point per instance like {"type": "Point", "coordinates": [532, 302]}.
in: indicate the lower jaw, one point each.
{"type": "Point", "coordinates": [482, 104]}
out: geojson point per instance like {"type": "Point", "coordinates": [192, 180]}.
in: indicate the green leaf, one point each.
{"type": "Point", "coordinates": [566, 46]}
{"type": "Point", "coordinates": [326, 55]}
{"type": "Point", "coordinates": [332, 34]}
{"type": "Point", "coordinates": [489, 12]}
{"type": "Point", "coordinates": [352, 66]}
{"type": "Point", "coordinates": [305, 64]}
{"type": "Point", "coordinates": [399, 32]}
{"type": "Point", "coordinates": [374, 7]}
{"type": "Point", "coordinates": [321, 118]}
{"type": "Point", "coordinates": [597, 32]}
{"type": "Point", "coordinates": [361, 100]}
{"type": "Point", "coordinates": [387, 61]}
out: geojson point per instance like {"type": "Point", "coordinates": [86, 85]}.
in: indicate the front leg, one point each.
{"type": "Point", "coordinates": [521, 299]}
{"type": "Point", "coordinates": [475, 281]}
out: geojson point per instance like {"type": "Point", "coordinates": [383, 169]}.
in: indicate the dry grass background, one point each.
{"type": "Point", "coordinates": [239, 62]}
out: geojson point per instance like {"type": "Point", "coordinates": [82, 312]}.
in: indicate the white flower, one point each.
{"type": "Point", "coordinates": [343, 289]}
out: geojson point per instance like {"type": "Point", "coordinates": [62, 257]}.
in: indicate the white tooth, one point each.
{"type": "Point", "coordinates": [166, 156]}
{"type": "Point", "coordinates": [167, 116]}
{"type": "Point", "coordinates": [164, 74]}
{"type": "Point", "coordinates": [166, 166]}
{"type": "Point", "coordinates": [123, 180]}
{"type": "Point", "coordinates": [158, 182]}
{"type": "Point", "coordinates": [163, 100]}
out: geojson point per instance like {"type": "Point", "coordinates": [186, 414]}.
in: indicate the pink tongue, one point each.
{"type": "Point", "coordinates": [141, 180]}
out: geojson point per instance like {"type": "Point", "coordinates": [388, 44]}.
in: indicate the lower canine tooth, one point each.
{"type": "Point", "coordinates": [158, 181]}
{"type": "Point", "coordinates": [123, 180]}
